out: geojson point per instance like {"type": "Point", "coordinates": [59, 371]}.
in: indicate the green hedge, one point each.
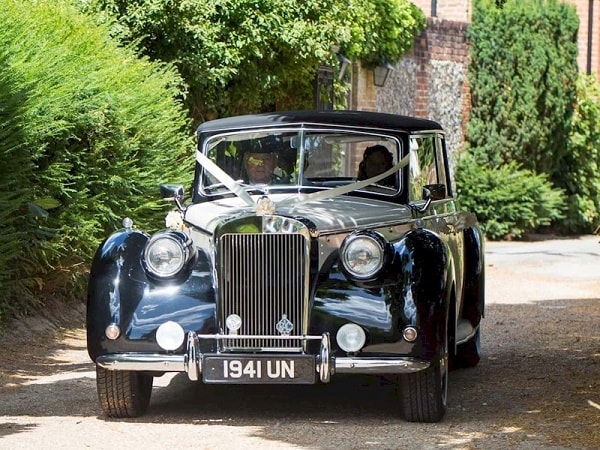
{"type": "Point", "coordinates": [509, 201]}
{"type": "Point", "coordinates": [580, 167]}
{"type": "Point", "coordinates": [523, 74]}
{"type": "Point", "coordinates": [88, 132]}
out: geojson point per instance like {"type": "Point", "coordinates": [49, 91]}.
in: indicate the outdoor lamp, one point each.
{"type": "Point", "coordinates": [381, 74]}
{"type": "Point", "coordinates": [344, 63]}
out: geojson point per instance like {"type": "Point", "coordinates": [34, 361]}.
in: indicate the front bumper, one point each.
{"type": "Point", "coordinates": [326, 364]}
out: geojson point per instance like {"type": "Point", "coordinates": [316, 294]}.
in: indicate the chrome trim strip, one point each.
{"type": "Point", "coordinates": [303, 337]}
{"type": "Point", "coordinates": [379, 365]}
{"type": "Point", "coordinates": [152, 362]}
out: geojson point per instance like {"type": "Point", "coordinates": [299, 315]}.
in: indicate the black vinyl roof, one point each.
{"type": "Point", "coordinates": [317, 117]}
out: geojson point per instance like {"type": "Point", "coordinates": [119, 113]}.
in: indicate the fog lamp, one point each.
{"type": "Point", "coordinates": [351, 337]}
{"type": "Point", "coordinates": [170, 336]}
{"type": "Point", "coordinates": [112, 331]}
{"type": "Point", "coordinates": [410, 334]}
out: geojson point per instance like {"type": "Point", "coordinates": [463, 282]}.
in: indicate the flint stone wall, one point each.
{"type": "Point", "coordinates": [432, 81]}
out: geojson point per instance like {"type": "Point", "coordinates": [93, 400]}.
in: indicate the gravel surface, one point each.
{"type": "Point", "coordinates": [537, 386]}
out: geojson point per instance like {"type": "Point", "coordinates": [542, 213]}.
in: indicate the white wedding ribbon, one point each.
{"type": "Point", "coordinates": [222, 177]}
{"type": "Point", "coordinates": [295, 201]}
{"type": "Point", "coordinates": [330, 193]}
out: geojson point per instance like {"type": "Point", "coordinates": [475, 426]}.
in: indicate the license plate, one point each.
{"type": "Point", "coordinates": [258, 369]}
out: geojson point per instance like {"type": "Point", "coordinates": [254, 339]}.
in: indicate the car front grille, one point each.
{"type": "Point", "coordinates": [263, 279]}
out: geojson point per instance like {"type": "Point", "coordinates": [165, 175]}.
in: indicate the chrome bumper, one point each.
{"type": "Point", "coordinates": [326, 365]}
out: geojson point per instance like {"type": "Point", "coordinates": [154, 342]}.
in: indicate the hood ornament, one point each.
{"type": "Point", "coordinates": [284, 326]}
{"type": "Point", "coordinates": [265, 206]}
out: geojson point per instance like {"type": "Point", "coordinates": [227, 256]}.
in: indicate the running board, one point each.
{"type": "Point", "coordinates": [464, 331]}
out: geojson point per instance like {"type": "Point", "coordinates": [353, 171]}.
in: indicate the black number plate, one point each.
{"type": "Point", "coordinates": [258, 369]}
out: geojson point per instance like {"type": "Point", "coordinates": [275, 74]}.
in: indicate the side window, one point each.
{"type": "Point", "coordinates": [427, 165]}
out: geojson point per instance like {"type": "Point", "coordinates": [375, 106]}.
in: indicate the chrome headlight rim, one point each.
{"type": "Point", "coordinates": [177, 259]}
{"type": "Point", "coordinates": [369, 241]}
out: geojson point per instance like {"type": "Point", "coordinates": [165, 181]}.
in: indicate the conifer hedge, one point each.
{"type": "Point", "coordinates": [87, 132]}
{"type": "Point", "coordinates": [523, 74]}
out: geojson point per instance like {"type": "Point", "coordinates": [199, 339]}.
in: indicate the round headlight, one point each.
{"type": "Point", "coordinates": [362, 256]}
{"type": "Point", "coordinates": [166, 254]}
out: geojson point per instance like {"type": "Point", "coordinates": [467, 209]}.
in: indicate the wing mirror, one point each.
{"type": "Point", "coordinates": [430, 193]}
{"type": "Point", "coordinates": [434, 191]}
{"type": "Point", "coordinates": [173, 192]}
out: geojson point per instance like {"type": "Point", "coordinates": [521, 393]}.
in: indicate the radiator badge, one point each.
{"type": "Point", "coordinates": [284, 326]}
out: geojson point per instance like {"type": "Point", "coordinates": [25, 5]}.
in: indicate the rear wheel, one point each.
{"type": "Point", "coordinates": [123, 393]}
{"type": "Point", "coordinates": [423, 394]}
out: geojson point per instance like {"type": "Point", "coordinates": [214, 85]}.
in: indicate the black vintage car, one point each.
{"type": "Point", "coordinates": [314, 243]}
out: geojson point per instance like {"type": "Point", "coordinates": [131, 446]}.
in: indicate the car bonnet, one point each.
{"type": "Point", "coordinates": [329, 214]}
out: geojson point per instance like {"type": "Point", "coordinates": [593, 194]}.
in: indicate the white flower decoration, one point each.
{"type": "Point", "coordinates": [265, 206]}
{"type": "Point", "coordinates": [174, 220]}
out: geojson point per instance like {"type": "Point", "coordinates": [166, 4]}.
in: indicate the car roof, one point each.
{"type": "Point", "coordinates": [367, 119]}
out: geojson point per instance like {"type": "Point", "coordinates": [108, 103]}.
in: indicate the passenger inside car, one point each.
{"type": "Point", "coordinates": [376, 160]}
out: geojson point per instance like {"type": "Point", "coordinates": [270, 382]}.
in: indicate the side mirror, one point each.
{"type": "Point", "coordinates": [430, 193]}
{"type": "Point", "coordinates": [434, 192]}
{"type": "Point", "coordinates": [173, 192]}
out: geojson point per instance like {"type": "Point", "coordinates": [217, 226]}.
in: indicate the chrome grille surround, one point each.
{"type": "Point", "coordinates": [263, 278]}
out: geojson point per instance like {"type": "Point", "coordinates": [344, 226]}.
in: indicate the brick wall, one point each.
{"type": "Point", "coordinates": [430, 82]}
{"type": "Point", "coordinates": [588, 62]}
{"type": "Point", "coordinates": [454, 10]}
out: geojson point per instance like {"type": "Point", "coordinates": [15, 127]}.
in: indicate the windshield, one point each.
{"type": "Point", "coordinates": [288, 159]}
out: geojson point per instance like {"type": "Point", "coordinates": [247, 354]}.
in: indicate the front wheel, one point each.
{"type": "Point", "coordinates": [423, 394]}
{"type": "Point", "coordinates": [123, 393]}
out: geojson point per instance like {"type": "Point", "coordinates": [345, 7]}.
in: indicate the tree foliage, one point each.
{"type": "Point", "coordinates": [240, 56]}
{"type": "Point", "coordinates": [580, 165]}
{"type": "Point", "coordinates": [87, 131]}
{"type": "Point", "coordinates": [523, 74]}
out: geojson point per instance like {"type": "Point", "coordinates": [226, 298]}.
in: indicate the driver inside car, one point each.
{"type": "Point", "coordinates": [260, 167]}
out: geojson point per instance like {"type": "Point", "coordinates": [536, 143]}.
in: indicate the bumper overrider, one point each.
{"type": "Point", "coordinates": [263, 367]}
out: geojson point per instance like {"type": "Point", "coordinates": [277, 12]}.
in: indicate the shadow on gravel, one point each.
{"type": "Point", "coordinates": [538, 382]}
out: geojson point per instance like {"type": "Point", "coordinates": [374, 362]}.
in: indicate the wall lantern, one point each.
{"type": "Point", "coordinates": [344, 63]}
{"type": "Point", "coordinates": [381, 74]}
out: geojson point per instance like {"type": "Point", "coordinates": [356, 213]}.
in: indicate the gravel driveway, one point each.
{"type": "Point", "coordinates": [537, 386]}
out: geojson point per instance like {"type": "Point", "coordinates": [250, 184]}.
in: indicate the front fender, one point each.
{"type": "Point", "coordinates": [414, 290]}
{"type": "Point", "coordinates": [474, 289]}
{"type": "Point", "coordinates": [119, 292]}
{"type": "Point", "coordinates": [425, 258]}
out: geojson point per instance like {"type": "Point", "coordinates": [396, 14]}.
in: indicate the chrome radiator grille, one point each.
{"type": "Point", "coordinates": [262, 278]}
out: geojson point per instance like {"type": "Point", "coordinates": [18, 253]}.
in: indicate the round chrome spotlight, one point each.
{"type": "Point", "coordinates": [233, 323]}
{"type": "Point", "coordinates": [170, 336]}
{"type": "Point", "coordinates": [351, 337]}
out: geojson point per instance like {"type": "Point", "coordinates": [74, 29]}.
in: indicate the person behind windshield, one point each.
{"type": "Point", "coordinates": [260, 167]}
{"type": "Point", "coordinates": [376, 160]}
